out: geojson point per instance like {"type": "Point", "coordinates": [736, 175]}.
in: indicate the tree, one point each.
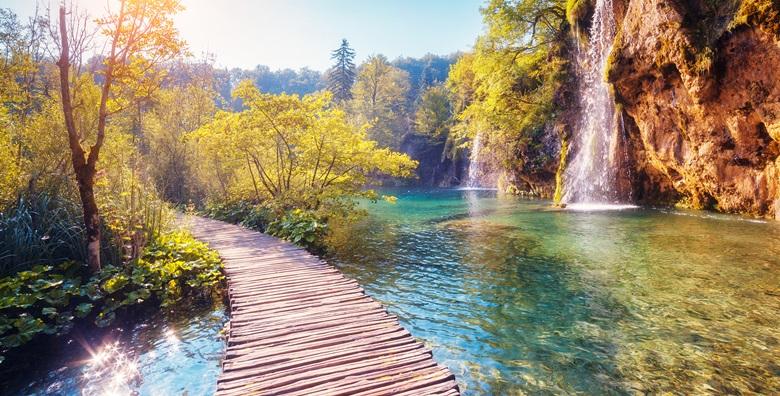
{"type": "Point", "coordinates": [379, 99]}
{"type": "Point", "coordinates": [140, 37]}
{"type": "Point", "coordinates": [292, 151]}
{"type": "Point", "coordinates": [10, 174]}
{"type": "Point", "coordinates": [21, 53]}
{"type": "Point", "coordinates": [177, 111]}
{"type": "Point", "coordinates": [424, 72]}
{"type": "Point", "coordinates": [433, 117]}
{"type": "Point", "coordinates": [507, 88]}
{"type": "Point", "coordinates": [342, 75]}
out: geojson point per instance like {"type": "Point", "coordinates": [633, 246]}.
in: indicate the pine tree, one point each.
{"type": "Point", "coordinates": [342, 75]}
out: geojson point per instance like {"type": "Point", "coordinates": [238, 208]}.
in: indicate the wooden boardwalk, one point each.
{"type": "Point", "coordinates": [299, 327]}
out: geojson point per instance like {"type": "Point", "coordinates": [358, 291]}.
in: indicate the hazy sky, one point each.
{"type": "Point", "coordinates": [298, 33]}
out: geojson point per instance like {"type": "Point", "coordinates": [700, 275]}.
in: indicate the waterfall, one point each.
{"type": "Point", "coordinates": [481, 174]}
{"type": "Point", "coordinates": [475, 165]}
{"type": "Point", "coordinates": [590, 176]}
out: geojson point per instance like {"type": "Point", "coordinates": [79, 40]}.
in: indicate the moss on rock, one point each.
{"type": "Point", "coordinates": [764, 14]}
{"type": "Point", "coordinates": [558, 196]}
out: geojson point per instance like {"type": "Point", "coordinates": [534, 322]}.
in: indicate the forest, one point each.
{"type": "Point", "coordinates": [112, 132]}
{"type": "Point", "coordinates": [150, 131]}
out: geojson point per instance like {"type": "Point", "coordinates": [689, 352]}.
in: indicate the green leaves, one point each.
{"type": "Point", "coordinates": [299, 227]}
{"type": "Point", "coordinates": [83, 309]}
{"type": "Point", "coordinates": [25, 327]}
{"type": "Point", "coordinates": [104, 319]}
{"type": "Point", "coordinates": [49, 311]}
{"type": "Point", "coordinates": [47, 299]}
{"type": "Point", "coordinates": [173, 267]}
{"type": "Point", "coordinates": [115, 283]}
{"type": "Point", "coordinates": [512, 85]}
{"type": "Point", "coordinates": [34, 302]}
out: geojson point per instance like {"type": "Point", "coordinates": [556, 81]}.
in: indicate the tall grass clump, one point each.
{"type": "Point", "coordinates": [43, 230]}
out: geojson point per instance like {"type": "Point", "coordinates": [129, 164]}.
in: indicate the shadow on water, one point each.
{"type": "Point", "coordinates": [516, 298]}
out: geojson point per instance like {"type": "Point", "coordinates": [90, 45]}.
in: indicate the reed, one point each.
{"type": "Point", "coordinates": [41, 230]}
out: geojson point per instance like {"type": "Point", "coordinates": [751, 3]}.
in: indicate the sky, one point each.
{"type": "Point", "coordinates": [302, 33]}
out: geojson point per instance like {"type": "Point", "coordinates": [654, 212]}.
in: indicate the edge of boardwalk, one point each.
{"type": "Point", "coordinates": [300, 327]}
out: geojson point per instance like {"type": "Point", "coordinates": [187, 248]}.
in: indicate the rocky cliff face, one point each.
{"type": "Point", "coordinates": [435, 169]}
{"type": "Point", "coordinates": [698, 85]}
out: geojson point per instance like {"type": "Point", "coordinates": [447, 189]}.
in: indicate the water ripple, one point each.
{"type": "Point", "coordinates": [515, 298]}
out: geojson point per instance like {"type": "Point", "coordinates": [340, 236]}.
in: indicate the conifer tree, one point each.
{"type": "Point", "coordinates": [342, 75]}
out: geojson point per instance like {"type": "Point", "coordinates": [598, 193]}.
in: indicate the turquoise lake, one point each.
{"type": "Point", "coordinates": [517, 298]}
{"type": "Point", "coordinates": [168, 354]}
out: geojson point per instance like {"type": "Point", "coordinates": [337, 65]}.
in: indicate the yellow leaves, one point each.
{"type": "Point", "coordinates": [10, 171]}
{"type": "Point", "coordinates": [434, 112]}
{"type": "Point", "coordinates": [284, 146]}
{"type": "Point", "coordinates": [392, 199]}
{"type": "Point", "coordinates": [246, 91]}
{"type": "Point", "coordinates": [141, 37]}
{"type": "Point", "coordinates": [169, 132]}
{"type": "Point", "coordinates": [379, 97]}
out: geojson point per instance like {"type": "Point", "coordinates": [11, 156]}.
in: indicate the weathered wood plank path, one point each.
{"type": "Point", "coordinates": [299, 327]}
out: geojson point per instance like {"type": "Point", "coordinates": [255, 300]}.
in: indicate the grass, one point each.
{"type": "Point", "coordinates": [41, 231]}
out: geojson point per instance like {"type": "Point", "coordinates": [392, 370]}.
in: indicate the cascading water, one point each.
{"type": "Point", "coordinates": [591, 175]}
{"type": "Point", "coordinates": [475, 165]}
{"type": "Point", "coordinates": [481, 175]}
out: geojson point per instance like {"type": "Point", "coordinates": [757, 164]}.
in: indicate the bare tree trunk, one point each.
{"type": "Point", "coordinates": [84, 169]}
{"type": "Point", "coordinates": [254, 181]}
{"type": "Point", "coordinates": [86, 182]}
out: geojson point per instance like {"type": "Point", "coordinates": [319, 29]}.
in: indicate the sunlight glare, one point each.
{"type": "Point", "coordinates": [111, 371]}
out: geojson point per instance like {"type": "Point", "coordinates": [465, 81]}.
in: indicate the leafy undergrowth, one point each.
{"type": "Point", "coordinates": [302, 227]}
{"type": "Point", "coordinates": [51, 299]}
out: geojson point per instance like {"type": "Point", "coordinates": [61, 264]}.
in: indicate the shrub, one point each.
{"type": "Point", "coordinates": [43, 300]}
{"type": "Point", "coordinates": [131, 217]}
{"type": "Point", "coordinates": [48, 299]}
{"type": "Point", "coordinates": [300, 227]}
{"type": "Point", "coordinates": [245, 213]}
{"type": "Point", "coordinates": [173, 267]}
{"type": "Point", "coordinates": [43, 230]}
{"type": "Point", "coordinates": [258, 218]}
{"type": "Point", "coordinates": [231, 211]}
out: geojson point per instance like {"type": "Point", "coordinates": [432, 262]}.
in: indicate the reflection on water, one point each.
{"type": "Point", "coordinates": [168, 355]}
{"type": "Point", "coordinates": [517, 298]}
{"type": "Point", "coordinates": [110, 371]}
{"type": "Point", "coordinates": [596, 207]}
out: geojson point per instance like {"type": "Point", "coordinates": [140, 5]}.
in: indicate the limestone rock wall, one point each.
{"type": "Point", "coordinates": [699, 89]}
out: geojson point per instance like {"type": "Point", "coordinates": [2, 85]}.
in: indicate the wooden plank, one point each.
{"type": "Point", "coordinates": [299, 327]}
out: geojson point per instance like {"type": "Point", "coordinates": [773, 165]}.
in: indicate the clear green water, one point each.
{"type": "Point", "coordinates": [516, 298]}
{"type": "Point", "coordinates": [172, 354]}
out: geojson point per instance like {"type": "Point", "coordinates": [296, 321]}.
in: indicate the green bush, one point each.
{"type": "Point", "coordinates": [245, 213]}
{"type": "Point", "coordinates": [43, 300]}
{"type": "Point", "coordinates": [306, 228]}
{"type": "Point", "coordinates": [232, 212]}
{"type": "Point", "coordinates": [258, 218]}
{"type": "Point", "coordinates": [300, 227]}
{"type": "Point", "coordinates": [48, 299]}
{"type": "Point", "coordinates": [173, 267]}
